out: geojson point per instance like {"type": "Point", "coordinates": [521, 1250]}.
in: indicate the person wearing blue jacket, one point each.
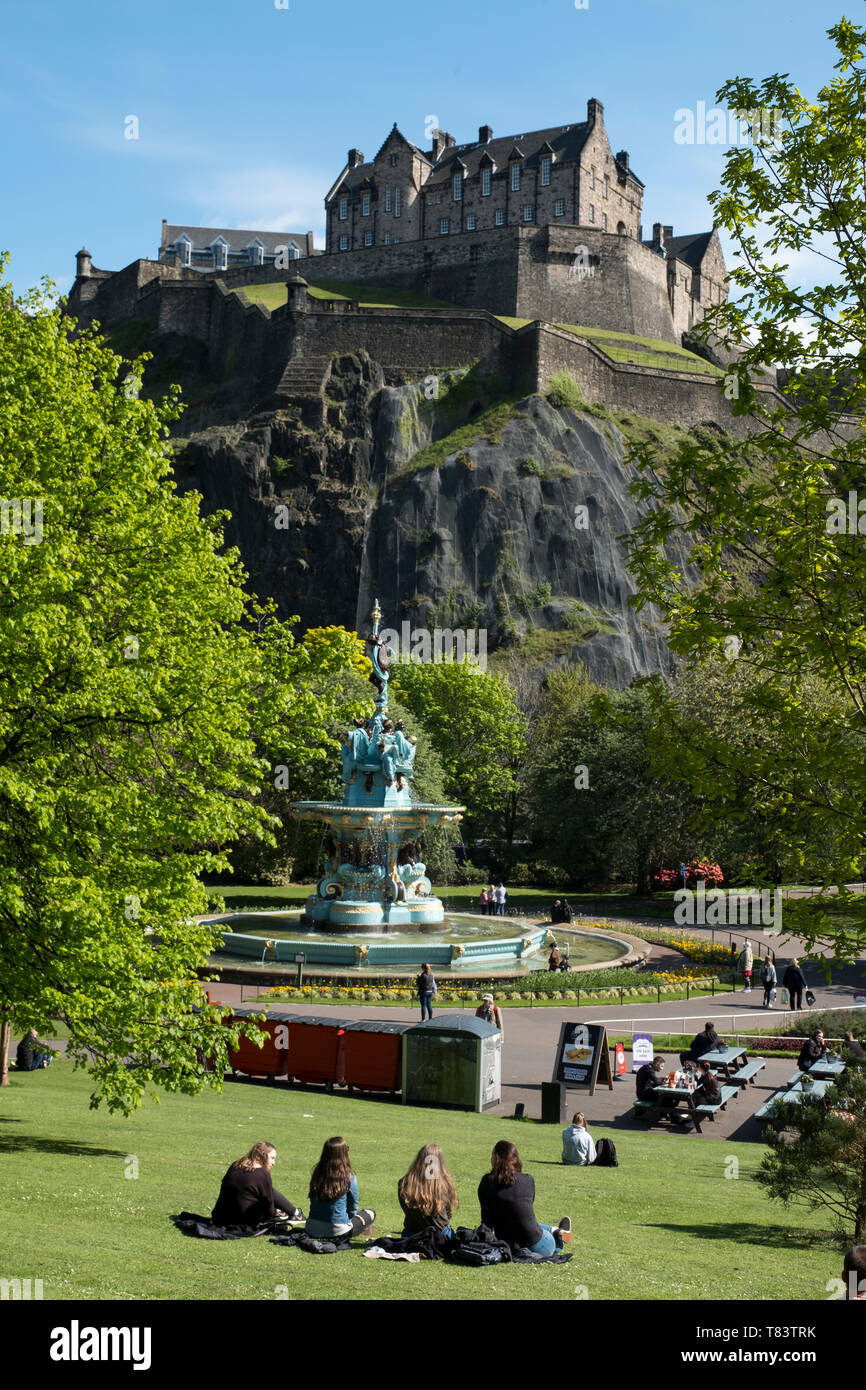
{"type": "Point", "coordinates": [334, 1201]}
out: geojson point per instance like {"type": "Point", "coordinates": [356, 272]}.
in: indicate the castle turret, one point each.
{"type": "Point", "coordinates": [296, 294]}
{"type": "Point", "coordinates": [83, 264]}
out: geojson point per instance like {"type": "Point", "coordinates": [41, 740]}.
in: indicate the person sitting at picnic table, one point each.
{"type": "Point", "coordinates": [32, 1054]}
{"type": "Point", "coordinates": [812, 1051]}
{"type": "Point", "coordinates": [706, 1041]}
{"type": "Point", "coordinates": [708, 1091]}
{"type": "Point", "coordinates": [248, 1196]}
{"type": "Point", "coordinates": [852, 1047]}
{"type": "Point", "coordinates": [491, 1013]}
{"type": "Point", "coordinates": [427, 1193]}
{"type": "Point", "coordinates": [651, 1075]}
{"type": "Point", "coordinates": [578, 1145]}
{"type": "Point", "coordinates": [506, 1195]}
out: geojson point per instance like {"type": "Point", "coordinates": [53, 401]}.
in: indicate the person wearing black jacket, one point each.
{"type": "Point", "coordinates": [32, 1054]}
{"type": "Point", "coordinates": [812, 1051]}
{"type": "Point", "coordinates": [851, 1046]}
{"type": "Point", "coordinates": [248, 1196]}
{"type": "Point", "coordinates": [506, 1195]}
{"type": "Point", "coordinates": [794, 981]}
{"type": "Point", "coordinates": [426, 987]}
{"type": "Point", "coordinates": [707, 1041]}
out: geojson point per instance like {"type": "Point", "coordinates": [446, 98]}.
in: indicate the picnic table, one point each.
{"type": "Point", "coordinates": [725, 1059]}
{"type": "Point", "coordinates": [795, 1095]}
{"type": "Point", "coordinates": [685, 1098]}
{"type": "Point", "coordinates": [829, 1067]}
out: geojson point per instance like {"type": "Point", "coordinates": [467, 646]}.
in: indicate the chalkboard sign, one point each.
{"type": "Point", "coordinates": [582, 1056]}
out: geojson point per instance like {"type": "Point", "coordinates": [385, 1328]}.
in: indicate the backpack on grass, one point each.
{"type": "Point", "coordinates": [605, 1154]}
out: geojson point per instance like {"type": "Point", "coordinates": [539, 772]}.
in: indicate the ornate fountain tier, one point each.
{"type": "Point", "coordinates": [374, 876]}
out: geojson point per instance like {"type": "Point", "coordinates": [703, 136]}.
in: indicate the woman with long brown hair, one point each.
{"type": "Point", "coordinates": [334, 1200]}
{"type": "Point", "coordinates": [427, 1193]}
{"type": "Point", "coordinates": [507, 1195]}
{"type": "Point", "coordinates": [248, 1196]}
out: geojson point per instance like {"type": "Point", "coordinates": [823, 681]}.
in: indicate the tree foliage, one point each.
{"type": "Point", "coordinates": [772, 587]}
{"type": "Point", "coordinates": [135, 679]}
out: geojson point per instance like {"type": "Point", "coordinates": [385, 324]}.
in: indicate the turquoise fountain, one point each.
{"type": "Point", "coordinates": [374, 877]}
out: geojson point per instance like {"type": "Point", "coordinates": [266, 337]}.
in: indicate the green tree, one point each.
{"type": "Point", "coordinates": [774, 587]}
{"type": "Point", "coordinates": [134, 673]}
{"type": "Point", "coordinates": [476, 729]}
{"type": "Point", "coordinates": [602, 811]}
{"type": "Point", "coordinates": [818, 1155]}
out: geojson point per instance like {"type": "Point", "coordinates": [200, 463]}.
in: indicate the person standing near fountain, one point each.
{"type": "Point", "coordinates": [426, 986]}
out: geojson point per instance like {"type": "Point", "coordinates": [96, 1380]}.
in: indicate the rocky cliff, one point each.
{"type": "Point", "coordinates": [455, 504]}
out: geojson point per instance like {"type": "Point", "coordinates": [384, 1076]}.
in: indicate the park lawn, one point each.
{"type": "Point", "coordinates": [272, 295]}
{"type": "Point", "coordinates": [666, 1225]}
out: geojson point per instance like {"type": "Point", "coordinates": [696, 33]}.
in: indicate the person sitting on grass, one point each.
{"type": "Point", "coordinates": [248, 1196]}
{"type": "Point", "coordinates": [578, 1146]}
{"type": "Point", "coordinates": [334, 1200]}
{"type": "Point", "coordinates": [427, 1193]}
{"type": "Point", "coordinates": [854, 1272]}
{"type": "Point", "coordinates": [32, 1054]}
{"type": "Point", "coordinates": [506, 1195]}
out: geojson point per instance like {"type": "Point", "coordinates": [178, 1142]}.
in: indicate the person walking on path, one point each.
{"type": "Point", "coordinates": [745, 964]}
{"type": "Point", "coordinates": [768, 980]}
{"type": "Point", "coordinates": [426, 986]}
{"type": "Point", "coordinates": [491, 1013]}
{"type": "Point", "coordinates": [794, 981]}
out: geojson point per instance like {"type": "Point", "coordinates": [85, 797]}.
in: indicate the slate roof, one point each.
{"type": "Point", "coordinates": [239, 239]}
{"type": "Point", "coordinates": [690, 249]}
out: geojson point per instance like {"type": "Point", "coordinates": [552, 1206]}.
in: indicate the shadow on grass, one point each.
{"type": "Point", "coordinates": [34, 1143]}
{"type": "Point", "coordinates": [745, 1232]}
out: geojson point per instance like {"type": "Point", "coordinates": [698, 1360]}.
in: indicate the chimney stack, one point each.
{"type": "Point", "coordinates": [668, 232]}
{"type": "Point", "coordinates": [485, 134]}
{"type": "Point", "coordinates": [622, 158]}
{"type": "Point", "coordinates": [594, 111]}
{"type": "Point", "coordinates": [354, 158]}
{"type": "Point", "coordinates": [658, 234]}
{"type": "Point", "coordinates": [442, 141]}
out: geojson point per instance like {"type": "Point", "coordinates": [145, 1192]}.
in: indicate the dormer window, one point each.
{"type": "Point", "coordinates": [183, 249]}
{"type": "Point", "coordinates": [256, 253]}
{"type": "Point", "coordinates": [545, 171]}
{"type": "Point", "coordinates": [486, 180]}
{"type": "Point", "coordinates": [344, 209]}
{"type": "Point", "coordinates": [220, 251]}
{"type": "Point", "coordinates": [457, 188]}
{"type": "Point", "coordinates": [515, 178]}
{"type": "Point", "coordinates": [365, 205]}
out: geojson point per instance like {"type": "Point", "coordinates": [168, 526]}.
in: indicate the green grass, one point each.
{"type": "Point", "coordinates": [70, 1216]}
{"type": "Point", "coordinates": [487, 424]}
{"type": "Point", "coordinates": [272, 295]}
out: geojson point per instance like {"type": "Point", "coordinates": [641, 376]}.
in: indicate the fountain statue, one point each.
{"type": "Point", "coordinates": [374, 876]}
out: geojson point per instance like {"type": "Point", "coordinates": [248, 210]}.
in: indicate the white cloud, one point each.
{"type": "Point", "coordinates": [272, 197]}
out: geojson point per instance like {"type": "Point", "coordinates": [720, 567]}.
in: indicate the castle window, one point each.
{"type": "Point", "coordinates": [365, 205]}
{"type": "Point", "coordinates": [344, 209]}
{"type": "Point", "coordinates": [470, 222]}
{"type": "Point", "coordinates": [438, 197]}
{"type": "Point", "coordinates": [500, 217]}
{"type": "Point", "coordinates": [392, 160]}
{"type": "Point", "coordinates": [220, 255]}
{"type": "Point", "coordinates": [368, 238]}
{"type": "Point", "coordinates": [515, 178]}
{"type": "Point", "coordinates": [486, 179]}
{"type": "Point", "coordinates": [184, 250]}
{"type": "Point", "coordinates": [592, 178]}
{"type": "Point", "coordinates": [527, 212]}
{"type": "Point", "coordinates": [457, 187]}
{"type": "Point", "coordinates": [387, 200]}
{"type": "Point", "coordinates": [344, 243]}
{"type": "Point", "coordinates": [545, 171]}
{"type": "Point", "coordinates": [387, 238]}
{"type": "Point", "coordinates": [444, 226]}
{"type": "Point", "coordinates": [559, 208]}
{"type": "Point", "coordinates": [592, 212]}
{"type": "Point", "coordinates": [397, 201]}
{"type": "Point", "coordinates": [604, 221]}
{"type": "Point", "coordinates": [604, 187]}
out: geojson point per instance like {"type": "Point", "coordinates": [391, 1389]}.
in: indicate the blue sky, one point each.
{"type": "Point", "coordinates": [245, 111]}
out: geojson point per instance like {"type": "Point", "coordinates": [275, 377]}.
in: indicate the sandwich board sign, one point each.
{"type": "Point", "coordinates": [582, 1056]}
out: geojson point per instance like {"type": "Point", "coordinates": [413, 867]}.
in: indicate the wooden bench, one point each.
{"type": "Point", "coordinates": [728, 1093]}
{"type": "Point", "coordinates": [747, 1074]}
